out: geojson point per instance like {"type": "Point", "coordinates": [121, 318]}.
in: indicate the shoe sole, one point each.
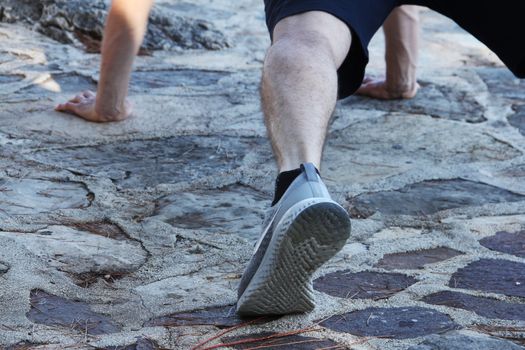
{"type": "Point", "coordinates": [308, 235]}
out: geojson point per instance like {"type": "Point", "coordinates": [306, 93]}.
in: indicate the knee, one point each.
{"type": "Point", "coordinates": [298, 49]}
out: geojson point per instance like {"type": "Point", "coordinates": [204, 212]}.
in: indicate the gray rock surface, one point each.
{"type": "Point", "coordinates": [470, 341]}
{"type": "Point", "coordinates": [77, 21]}
{"type": "Point", "coordinates": [135, 234]}
{"type": "Point", "coordinates": [78, 252]}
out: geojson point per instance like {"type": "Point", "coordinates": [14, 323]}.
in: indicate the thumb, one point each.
{"type": "Point", "coordinates": [71, 107]}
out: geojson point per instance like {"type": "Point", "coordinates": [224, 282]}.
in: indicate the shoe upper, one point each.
{"type": "Point", "coordinates": [307, 185]}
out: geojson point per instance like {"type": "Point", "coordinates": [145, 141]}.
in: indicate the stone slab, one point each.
{"type": "Point", "coordinates": [395, 322]}
{"type": "Point", "coordinates": [194, 78]}
{"type": "Point", "coordinates": [221, 317]}
{"type": "Point", "coordinates": [436, 100]}
{"type": "Point", "coordinates": [146, 163]}
{"type": "Point", "coordinates": [491, 275]}
{"type": "Point", "coordinates": [486, 307]}
{"type": "Point", "coordinates": [362, 285]}
{"type": "Point", "coordinates": [101, 228]}
{"type": "Point", "coordinates": [80, 252]}
{"type": "Point", "coordinates": [236, 209]}
{"type": "Point", "coordinates": [276, 341]}
{"type": "Point", "coordinates": [416, 259]}
{"type": "Point", "coordinates": [502, 83]}
{"type": "Point", "coordinates": [141, 344]}
{"type": "Point", "coordinates": [456, 340]}
{"type": "Point", "coordinates": [33, 196]}
{"type": "Point", "coordinates": [429, 197]}
{"type": "Point", "coordinates": [381, 147]}
{"type": "Point", "coordinates": [506, 242]}
{"type": "Point", "coordinates": [52, 310]}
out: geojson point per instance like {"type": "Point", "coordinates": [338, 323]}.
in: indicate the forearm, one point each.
{"type": "Point", "coordinates": [402, 45]}
{"type": "Point", "coordinates": [123, 35]}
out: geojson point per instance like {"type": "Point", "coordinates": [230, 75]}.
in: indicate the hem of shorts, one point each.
{"type": "Point", "coordinates": [520, 72]}
{"type": "Point", "coordinates": [303, 7]}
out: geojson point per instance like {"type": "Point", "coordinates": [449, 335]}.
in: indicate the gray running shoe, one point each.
{"type": "Point", "coordinates": [302, 231]}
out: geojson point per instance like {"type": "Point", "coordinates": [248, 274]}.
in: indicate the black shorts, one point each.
{"type": "Point", "coordinates": [498, 24]}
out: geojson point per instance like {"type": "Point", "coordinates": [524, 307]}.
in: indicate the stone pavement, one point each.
{"type": "Point", "coordinates": [134, 235]}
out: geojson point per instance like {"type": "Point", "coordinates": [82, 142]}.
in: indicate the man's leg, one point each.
{"type": "Point", "coordinates": [304, 227]}
{"type": "Point", "coordinates": [299, 85]}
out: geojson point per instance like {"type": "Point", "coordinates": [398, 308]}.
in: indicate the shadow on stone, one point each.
{"type": "Point", "coordinates": [429, 197]}
{"type": "Point", "coordinates": [52, 310]}
{"type": "Point", "coordinates": [506, 242]}
{"type": "Point", "coordinates": [491, 275]}
{"type": "Point", "coordinates": [397, 322]}
{"type": "Point", "coordinates": [363, 285]}
{"type": "Point", "coordinates": [416, 259]}
{"type": "Point", "coordinates": [486, 307]}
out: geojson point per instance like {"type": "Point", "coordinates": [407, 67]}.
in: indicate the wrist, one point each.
{"type": "Point", "coordinates": [401, 89]}
{"type": "Point", "coordinates": [111, 113]}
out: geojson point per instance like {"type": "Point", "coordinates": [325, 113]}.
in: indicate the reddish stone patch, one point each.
{"type": "Point", "coordinates": [280, 342]}
{"type": "Point", "coordinates": [52, 310]}
{"type": "Point", "coordinates": [486, 307]}
{"type": "Point", "coordinates": [506, 242]}
{"type": "Point", "coordinates": [363, 285]}
{"type": "Point", "coordinates": [416, 259]}
{"type": "Point", "coordinates": [85, 280]}
{"type": "Point", "coordinates": [398, 322]}
{"type": "Point", "coordinates": [492, 275]}
{"type": "Point", "coordinates": [221, 317]}
{"type": "Point", "coordinates": [429, 197]}
{"type": "Point", "coordinates": [102, 228]}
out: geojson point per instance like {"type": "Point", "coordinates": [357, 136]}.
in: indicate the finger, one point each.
{"type": "Point", "coordinates": [68, 107]}
{"type": "Point", "coordinates": [88, 93]}
{"type": "Point", "coordinates": [78, 98]}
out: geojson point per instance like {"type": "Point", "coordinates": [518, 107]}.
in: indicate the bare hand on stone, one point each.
{"type": "Point", "coordinates": [83, 105]}
{"type": "Point", "coordinates": [379, 89]}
